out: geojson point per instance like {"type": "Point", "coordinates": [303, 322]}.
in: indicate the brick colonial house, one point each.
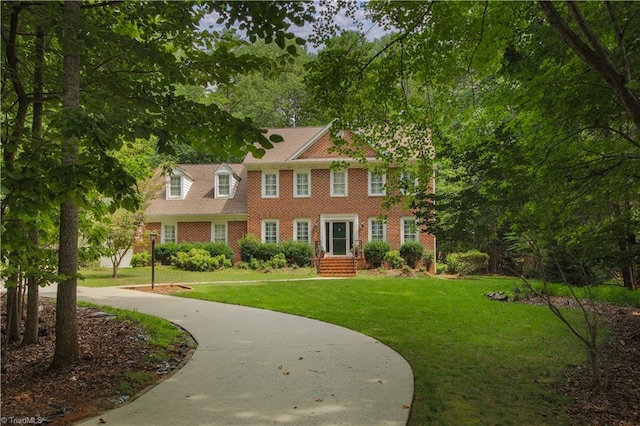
{"type": "Point", "coordinates": [291, 193]}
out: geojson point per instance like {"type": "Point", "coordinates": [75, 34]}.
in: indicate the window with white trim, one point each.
{"type": "Point", "coordinates": [409, 230]}
{"type": "Point", "coordinates": [377, 230]}
{"type": "Point", "coordinates": [269, 231]}
{"type": "Point", "coordinates": [339, 183]}
{"type": "Point", "coordinates": [377, 183]}
{"type": "Point", "coordinates": [409, 183]}
{"type": "Point", "coordinates": [301, 183]}
{"type": "Point", "coordinates": [270, 185]}
{"type": "Point", "coordinates": [219, 233]}
{"type": "Point", "coordinates": [301, 230]}
{"type": "Point", "coordinates": [175, 187]}
{"type": "Point", "coordinates": [223, 185]}
{"type": "Point", "coordinates": [169, 234]}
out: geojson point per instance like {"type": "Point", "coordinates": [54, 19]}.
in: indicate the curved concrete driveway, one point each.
{"type": "Point", "coordinates": [257, 367]}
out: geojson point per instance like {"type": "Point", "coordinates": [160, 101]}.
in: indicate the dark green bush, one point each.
{"type": "Point", "coordinates": [266, 251]}
{"type": "Point", "coordinates": [374, 252]}
{"type": "Point", "coordinates": [139, 260]}
{"type": "Point", "coordinates": [298, 253]}
{"type": "Point", "coordinates": [248, 246]}
{"type": "Point", "coordinates": [164, 252]}
{"type": "Point", "coordinates": [412, 252]}
{"type": "Point", "coordinates": [216, 249]}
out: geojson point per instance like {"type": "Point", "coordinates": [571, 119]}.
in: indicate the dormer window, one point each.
{"type": "Point", "coordinates": [178, 184]}
{"type": "Point", "coordinates": [225, 182]}
{"type": "Point", "coordinates": [175, 187]}
{"type": "Point", "coordinates": [224, 186]}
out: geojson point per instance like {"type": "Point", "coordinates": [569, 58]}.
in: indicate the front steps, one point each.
{"type": "Point", "coordinates": [337, 267]}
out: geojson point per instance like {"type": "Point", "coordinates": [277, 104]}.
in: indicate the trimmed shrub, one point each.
{"type": "Point", "coordinates": [298, 253]}
{"type": "Point", "coordinates": [164, 252]}
{"type": "Point", "coordinates": [467, 262]}
{"type": "Point", "coordinates": [266, 251]}
{"type": "Point", "coordinates": [411, 252]}
{"type": "Point", "coordinates": [216, 249]}
{"type": "Point", "coordinates": [167, 251]}
{"type": "Point", "coordinates": [393, 260]}
{"type": "Point", "coordinates": [248, 246]}
{"type": "Point", "coordinates": [374, 252]}
{"type": "Point", "coordinates": [139, 260]}
{"type": "Point", "coordinates": [198, 259]}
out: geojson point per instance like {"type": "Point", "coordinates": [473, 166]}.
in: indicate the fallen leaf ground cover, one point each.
{"type": "Point", "coordinates": [118, 359]}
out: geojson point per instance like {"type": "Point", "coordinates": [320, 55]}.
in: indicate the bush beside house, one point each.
{"type": "Point", "coordinates": [374, 252]}
{"type": "Point", "coordinates": [412, 253]}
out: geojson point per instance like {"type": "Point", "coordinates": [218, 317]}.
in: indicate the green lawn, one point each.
{"type": "Point", "coordinates": [475, 361]}
{"type": "Point", "coordinates": [167, 275]}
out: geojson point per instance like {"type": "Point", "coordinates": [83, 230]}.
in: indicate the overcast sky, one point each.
{"type": "Point", "coordinates": [347, 23]}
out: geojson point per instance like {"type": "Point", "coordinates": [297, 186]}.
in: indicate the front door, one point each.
{"type": "Point", "coordinates": [339, 238]}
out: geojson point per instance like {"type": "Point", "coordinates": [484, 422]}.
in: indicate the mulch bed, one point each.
{"type": "Point", "coordinates": [619, 404]}
{"type": "Point", "coordinates": [109, 351]}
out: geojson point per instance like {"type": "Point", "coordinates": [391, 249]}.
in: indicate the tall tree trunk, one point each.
{"type": "Point", "coordinates": [13, 310]}
{"type": "Point", "coordinates": [66, 349]}
{"type": "Point", "coordinates": [9, 152]}
{"type": "Point", "coordinates": [629, 271]}
{"type": "Point", "coordinates": [33, 285]}
{"type": "Point", "coordinates": [33, 300]}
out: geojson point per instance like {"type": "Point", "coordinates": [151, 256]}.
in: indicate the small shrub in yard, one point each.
{"type": "Point", "coordinates": [393, 259]}
{"type": "Point", "coordinates": [277, 262]}
{"type": "Point", "coordinates": [467, 262]}
{"type": "Point", "coordinates": [255, 264]}
{"type": "Point", "coordinates": [139, 260]}
{"type": "Point", "coordinates": [412, 252]}
{"type": "Point", "coordinates": [200, 260]}
{"type": "Point", "coordinates": [298, 253]}
{"type": "Point", "coordinates": [374, 252]}
{"type": "Point", "coordinates": [442, 268]}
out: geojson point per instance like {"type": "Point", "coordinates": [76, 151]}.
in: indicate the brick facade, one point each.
{"type": "Point", "coordinates": [287, 208]}
{"type": "Point", "coordinates": [194, 232]}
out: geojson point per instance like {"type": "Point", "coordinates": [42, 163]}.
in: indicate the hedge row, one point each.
{"type": "Point", "coordinates": [296, 253]}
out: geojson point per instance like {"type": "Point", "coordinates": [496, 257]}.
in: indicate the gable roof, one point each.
{"type": "Point", "coordinates": [294, 139]}
{"type": "Point", "coordinates": [200, 198]}
{"type": "Point", "coordinates": [313, 145]}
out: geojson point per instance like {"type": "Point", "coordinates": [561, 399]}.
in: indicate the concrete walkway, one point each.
{"type": "Point", "coordinates": [257, 367]}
